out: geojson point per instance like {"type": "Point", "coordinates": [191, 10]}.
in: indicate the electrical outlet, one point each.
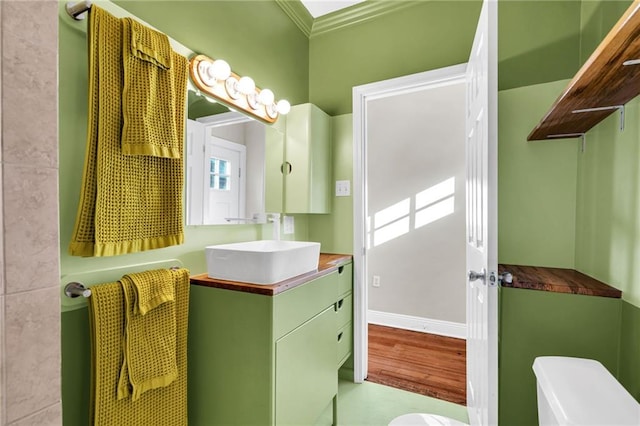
{"type": "Point", "coordinates": [343, 188]}
{"type": "Point", "coordinates": [376, 281]}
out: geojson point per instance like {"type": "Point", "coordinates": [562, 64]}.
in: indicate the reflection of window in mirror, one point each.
{"type": "Point", "coordinates": [219, 174]}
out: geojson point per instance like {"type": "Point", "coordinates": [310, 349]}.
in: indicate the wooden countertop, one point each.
{"type": "Point", "coordinates": [557, 280]}
{"type": "Point", "coordinates": [326, 264]}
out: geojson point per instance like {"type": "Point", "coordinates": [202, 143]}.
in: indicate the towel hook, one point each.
{"type": "Point", "coordinates": [75, 289]}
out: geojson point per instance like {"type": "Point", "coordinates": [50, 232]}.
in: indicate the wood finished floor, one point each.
{"type": "Point", "coordinates": [422, 363]}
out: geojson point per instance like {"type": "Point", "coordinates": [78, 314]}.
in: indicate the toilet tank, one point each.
{"type": "Point", "coordinates": [576, 391]}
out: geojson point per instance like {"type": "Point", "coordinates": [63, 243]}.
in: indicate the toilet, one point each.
{"type": "Point", "coordinates": [571, 392]}
{"type": "Point", "coordinates": [576, 391]}
{"type": "Point", "coordinates": [419, 419]}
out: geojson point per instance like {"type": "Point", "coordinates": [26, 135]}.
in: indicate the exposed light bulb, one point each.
{"type": "Point", "coordinates": [266, 97]}
{"type": "Point", "coordinates": [283, 106]}
{"type": "Point", "coordinates": [207, 69]}
{"type": "Point", "coordinates": [204, 71]}
{"type": "Point", "coordinates": [220, 69]}
{"type": "Point", "coordinates": [246, 85]}
{"type": "Point", "coordinates": [253, 100]}
{"type": "Point", "coordinates": [231, 84]}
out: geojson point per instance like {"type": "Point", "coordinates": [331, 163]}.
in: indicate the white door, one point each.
{"type": "Point", "coordinates": [224, 182]}
{"type": "Point", "coordinates": [482, 236]}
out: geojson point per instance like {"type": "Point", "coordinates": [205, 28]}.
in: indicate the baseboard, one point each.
{"type": "Point", "coordinates": [424, 325]}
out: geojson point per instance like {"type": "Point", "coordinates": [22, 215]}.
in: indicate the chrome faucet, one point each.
{"type": "Point", "coordinates": [275, 219]}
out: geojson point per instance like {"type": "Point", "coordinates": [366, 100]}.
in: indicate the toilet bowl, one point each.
{"type": "Point", "coordinates": [577, 391]}
{"type": "Point", "coordinates": [419, 419]}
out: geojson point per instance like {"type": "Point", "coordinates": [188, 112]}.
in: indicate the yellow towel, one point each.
{"type": "Point", "coordinates": [152, 288]}
{"type": "Point", "coordinates": [149, 339]}
{"type": "Point", "coordinates": [155, 81]}
{"type": "Point", "coordinates": [161, 406]}
{"type": "Point", "coordinates": [127, 203]}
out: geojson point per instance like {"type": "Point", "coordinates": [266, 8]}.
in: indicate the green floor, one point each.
{"type": "Point", "coordinates": [370, 404]}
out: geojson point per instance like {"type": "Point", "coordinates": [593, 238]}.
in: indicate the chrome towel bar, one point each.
{"type": "Point", "coordinates": [76, 289]}
{"type": "Point", "coordinates": [77, 10]}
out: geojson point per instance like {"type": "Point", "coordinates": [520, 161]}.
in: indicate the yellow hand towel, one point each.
{"type": "Point", "coordinates": [149, 339]}
{"type": "Point", "coordinates": [161, 406]}
{"type": "Point", "coordinates": [152, 288]}
{"type": "Point", "coordinates": [127, 203]}
{"type": "Point", "coordinates": [155, 80]}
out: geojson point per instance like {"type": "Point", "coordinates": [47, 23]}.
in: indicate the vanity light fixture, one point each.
{"type": "Point", "coordinates": [215, 79]}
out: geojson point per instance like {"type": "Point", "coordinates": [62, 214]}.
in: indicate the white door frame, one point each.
{"type": "Point", "coordinates": [361, 96]}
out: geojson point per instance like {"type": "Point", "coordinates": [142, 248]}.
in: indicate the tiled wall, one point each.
{"type": "Point", "coordinates": [29, 274]}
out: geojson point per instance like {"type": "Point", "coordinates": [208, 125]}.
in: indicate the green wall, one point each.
{"type": "Point", "coordinates": [530, 52]}
{"type": "Point", "coordinates": [414, 39]}
{"type": "Point", "coordinates": [536, 182]}
{"type": "Point", "coordinates": [628, 371]}
{"type": "Point", "coordinates": [608, 207]}
{"type": "Point", "coordinates": [597, 17]}
{"type": "Point", "coordinates": [435, 34]}
{"type": "Point", "coordinates": [608, 225]}
{"type": "Point", "coordinates": [335, 230]}
{"type": "Point", "coordinates": [608, 202]}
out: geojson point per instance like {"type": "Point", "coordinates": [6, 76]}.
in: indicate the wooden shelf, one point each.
{"type": "Point", "coordinates": [557, 280]}
{"type": "Point", "coordinates": [603, 81]}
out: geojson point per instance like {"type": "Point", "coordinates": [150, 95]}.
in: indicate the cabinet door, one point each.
{"type": "Point", "coordinates": [308, 156]}
{"type": "Point", "coordinates": [306, 375]}
{"type": "Point", "coordinates": [274, 157]}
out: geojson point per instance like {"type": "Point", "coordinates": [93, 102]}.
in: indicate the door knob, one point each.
{"type": "Point", "coordinates": [473, 275]}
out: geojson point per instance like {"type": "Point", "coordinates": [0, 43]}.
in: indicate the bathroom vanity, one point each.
{"type": "Point", "coordinates": [269, 354]}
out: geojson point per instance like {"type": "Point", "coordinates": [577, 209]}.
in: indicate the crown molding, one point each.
{"type": "Point", "coordinates": [299, 14]}
{"type": "Point", "coordinates": [355, 14]}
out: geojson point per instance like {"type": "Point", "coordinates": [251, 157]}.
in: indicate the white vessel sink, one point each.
{"type": "Point", "coordinates": [262, 262]}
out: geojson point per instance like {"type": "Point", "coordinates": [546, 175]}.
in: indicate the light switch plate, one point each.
{"type": "Point", "coordinates": [343, 188]}
{"type": "Point", "coordinates": [288, 225]}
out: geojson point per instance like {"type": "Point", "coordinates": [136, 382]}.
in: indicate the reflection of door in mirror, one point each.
{"type": "Point", "coordinates": [225, 195]}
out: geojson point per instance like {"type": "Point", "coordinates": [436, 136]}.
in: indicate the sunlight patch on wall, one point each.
{"type": "Point", "coordinates": [434, 212]}
{"type": "Point", "coordinates": [392, 222]}
{"type": "Point", "coordinates": [433, 203]}
{"type": "Point", "coordinates": [436, 193]}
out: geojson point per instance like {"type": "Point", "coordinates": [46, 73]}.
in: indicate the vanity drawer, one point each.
{"type": "Point", "coordinates": [295, 306]}
{"type": "Point", "coordinates": [345, 278]}
{"type": "Point", "coordinates": [344, 310]}
{"type": "Point", "coordinates": [345, 338]}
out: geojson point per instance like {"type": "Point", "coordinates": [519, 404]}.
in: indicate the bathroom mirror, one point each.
{"type": "Point", "coordinates": [225, 171]}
